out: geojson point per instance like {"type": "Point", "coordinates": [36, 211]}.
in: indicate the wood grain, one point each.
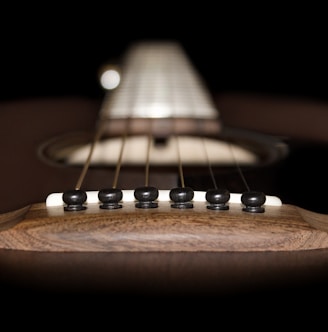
{"type": "Point", "coordinates": [163, 229]}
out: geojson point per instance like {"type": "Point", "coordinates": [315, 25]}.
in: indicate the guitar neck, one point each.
{"type": "Point", "coordinates": [159, 81]}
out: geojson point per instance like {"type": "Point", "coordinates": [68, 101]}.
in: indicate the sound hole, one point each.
{"type": "Point", "coordinates": [249, 149]}
{"type": "Point", "coordinates": [258, 154]}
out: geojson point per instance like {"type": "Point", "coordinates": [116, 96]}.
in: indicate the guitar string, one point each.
{"type": "Point", "coordinates": [209, 164]}
{"type": "Point", "coordinates": [99, 133]}
{"type": "Point", "coordinates": [147, 164]}
{"type": "Point", "coordinates": [173, 92]}
{"type": "Point", "coordinates": [179, 159]}
{"type": "Point", "coordinates": [120, 157]}
{"type": "Point", "coordinates": [87, 163]}
{"type": "Point", "coordinates": [131, 103]}
{"type": "Point", "coordinates": [180, 167]}
{"type": "Point", "coordinates": [238, 167]}
{"type": "Point", "coordinates": [176, 96]}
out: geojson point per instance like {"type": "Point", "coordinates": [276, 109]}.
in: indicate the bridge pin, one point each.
{"type": "Point", "coordinates": [74, 200]}
{"type": "Point", "coordinates": [217, 199]}
{"type": "Point", "coordinates": [253, 201]}
{"type": "Point", "coordinates": [110, 198]}
{"type": "Point", "coordinates": [181, 197]}
{"type": "Point", "coordinates": [146, 196]}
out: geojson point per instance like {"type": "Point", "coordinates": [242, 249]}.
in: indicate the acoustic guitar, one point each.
{"type": "Point", "coordinates": [148, 185]}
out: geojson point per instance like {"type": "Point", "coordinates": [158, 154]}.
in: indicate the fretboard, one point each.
{"type": "Point", "coordinates": [159, 81]}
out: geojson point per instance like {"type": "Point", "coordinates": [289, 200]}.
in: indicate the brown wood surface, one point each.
{"type": "Point", "coordinates": [162, 229]}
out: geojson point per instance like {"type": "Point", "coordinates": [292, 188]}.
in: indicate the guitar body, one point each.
{"type": "Point", "coordinates": [158, 268]}
{"type": "Point", "coordinates": [27, 124]}
{"type": "Point", "coordinates": [162, 251]}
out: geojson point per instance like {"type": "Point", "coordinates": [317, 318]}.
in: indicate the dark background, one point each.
{"type": "Point", "coordinates": [56, 51]}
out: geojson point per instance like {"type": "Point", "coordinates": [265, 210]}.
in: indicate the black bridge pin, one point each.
{"type": "Point", "coordinates": [110, 198]}
{"type": "Point", "coordinates": [74, 200]}
{"type": "Point", "coordinates": [182, 197]}
{"type": "Point", "coordinates": [253, 201]}
{"type": "Point", "coordinates": [146, 196]}
{"type": "Point", "coordinates": [218, 199]}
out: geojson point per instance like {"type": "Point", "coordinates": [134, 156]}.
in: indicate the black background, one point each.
{"type": "Point", "coordinates": [57, 50]}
